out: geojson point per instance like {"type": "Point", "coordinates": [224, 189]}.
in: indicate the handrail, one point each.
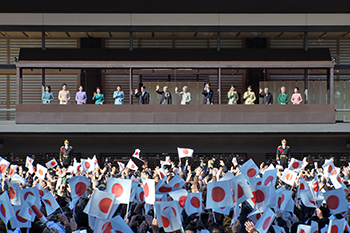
{"type": "Point", "coordinates": [342, 110]}
{"type": "Point", "coordinates": [8, 110]}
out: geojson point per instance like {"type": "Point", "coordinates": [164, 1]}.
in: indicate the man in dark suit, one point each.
{"type": "Point", "coordinates": [166, 95]}
{"type": "Point", "coordinates": [208, 94]}
{"type": "Point", "coordinates": [66, 154]}
{"type": "Point", "coordinates": [143, 95]}
{"type": "Point", "coordinates": [283, 154]}
{"type": "Point", "coordinates": [267, 96]}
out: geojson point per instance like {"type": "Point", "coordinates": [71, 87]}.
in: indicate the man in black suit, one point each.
{"type": "Point", "coordinates": [208, 94]}
{"type": "Point", "coordinates": [166, 95]}
{"type": "Point", "coordinates": [267, 96]}
{"type": "Point", "coordinates": [66, 154]}
{"type": "Point", "coordinates": [143, 95]}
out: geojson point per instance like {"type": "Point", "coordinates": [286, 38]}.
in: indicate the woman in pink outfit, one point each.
{"type": "Point", "coordinates": [296, 97]}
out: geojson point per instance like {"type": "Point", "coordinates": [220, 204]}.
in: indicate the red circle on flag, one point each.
{"type": "Point", "coordinates": [218, 194]}
{"type": "Point", "coordinates": [185, 151]}
{"type": "Point", "coordinates": [11, 171]}
{"type": "Point", "coordinates": [164, 189]}
{"type": "Point", "coordinates": [27, 194]}
{"type": "Point", "coordinates": [48, 202]}
{"type": "Point", "coordinates": [339, 179]}
{"type": "Point", "coordinates": [268, 180]}
{"type": "Point", "coordinates": [260, 196]}
{"type": "Point", "coordinates": [117, 189]}
{"type": "Point", "coordinates": [172, 209]}
{"type": "Point", "coordinates": [136, 153]}
{"type": "Point", "coordinates": [240, 191]}
{"type": "Point", "coordinates": [302, 186]}
{"type": "Point", "coordinates": [80, 188]}
{"type": "Point", "coordinates": [334, 229]}
{"type": "Point", "coordinates": [3, 168]}
{"type": "Point", "coordinates": [251, 173]}
{"type": "Point", "coordinates": [133, 166]}
{"type": "Point", "coordinates": [334, 172]}
{"type": "Point", "coordinates": [141, 195]}
{"type": "Point", "coordinates": [165, 221]}
{"type": "Point", "coordinates": [177, 185]}
{"type": "Point", "coordinates": [289, 177]}
{"type": "Point", "coordinates": [332, 202]}
{"type": "Point", "coordinates": [315, 186]}
{"type": "Point", "coordinates": [53, 163]}
{"type": "Point", "coordinates": [19, 218]}
{"type": "Point", "coordinates": [182, 201]}
{"type": "Point", "coordinates": [146, 190]}
{"type": "Point", "coordinates": [302, 231]}
{"type": "Point", "coordinates": [161, 175]}
{"type": "Point", "coordinates": [266, 223]}
{"type": "Point", "coordinates": [280, 201]}
{"type": "Point", "coordinates": [41, 192]}
{"type": "Point", "coordinates": [105, 204]}
{"type": "Point", "coordinates": [87, 165]}
{"type": "Point", "coordinates": [78, 168]}
{"type": "Point", "coordinates": [41, 172]}
{"type": "Point", "coordinates": [12, 193]}
{"type": "Point", "coordinates": [195, 202]}
{"type": "Point", "coordinates": [108, 228]}
{"type": "Point", "coordinates": [30, 211]}
{"type": "Point", "coordinates": [258, 183]}
{"type": "Point", "coordinates": [330, 168]}
{"type": "Point", "coordinates": [258, 216]}
{"type": "Point", "coordinates": [3, 210]}
{"type": "Point", "coordinates": [295, 165]}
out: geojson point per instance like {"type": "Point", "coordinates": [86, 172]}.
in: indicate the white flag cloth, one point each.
{"type": "Point", "coordinates": [121, 188]}
{"type": "Point", "coordinates": [265, 221]}
{"type": "Point", "coordinates": [76, 166]}
{"type": "Point", "coordinates": [78, 186]}
{"type": "Point", "coordinates": [279, 229]}
{"type": "Point", "coordinates": [4, 164]}
{"type": "Point", "coordinates": [329, 168]}
{"type": "Point", "coordinates": [137, 153]}
{"type": "Point", "coordinates": [234, 161]}
{"type": "Point", "coordinates": [269, 178]}
{"type": "Point", "coordinates": [120, 225]}
{"type": "Point", "coordinates": [260, 194]}
{"type": "Point", "coordinates": [14, 192]}
{"type": "Point", "coordinates": [87, 164]}
{"type": "Point", "coordinates": [101, 204]}
{"type": "Point", "coordinates": [308, 199]}
{"type": "Point", "coordinates": [295, 165]}
{"type": "Point", "coordinates": [302, 228]}
{"type": "Point", "coordinates": [41, 189]}
{"type": "Point", "coordinates": [336, 225]}
{"type": "Point", "coordinates": [162, 174]}
{"type": "Point", "coordinates": [149, 191]}
{"type": "Point", "coordinates": [121, 166]}
{"type": "Point", "coordinates": [168, 215]}
{"type": "Point", "coordinates": [249, 169]}
{"type": "Point", "coordinates": [176, 182]}
{"type": "Point", "coordinates": [22, 216]}
{"type": "Point", "coordinates": [140, 196]}
{"type": "Point", "coordinates": [6, 211]}
{"type": "Point", "coordinates": [314, 227]}
{"type": "Point", "coordinates": [336, 201]}
{"type": "Point", "coordinates": [336, 181]}
{"type": "Point", "coordinates": [132, 165]}
{"type": "Point", "coordinates": [50, 202]}
{"type": "Point", "coordinates": [29, 162]}
{"type": "Point", "coordinates": [289, 177]}
{"type": "Point", "coordinates": [324, 229]}
{"type": "Point", "coordinates": [243, 190]}
{"type": "Point", "coordinates": [12, 170]}
{"type": "Point", "coordinates": [223, 210]}
{"type": "Point", "coordinates": [30, 194]}
{"type": "Point", "coordinates": [254, 216]}
{"type": "Point", "coordinates": [219, 194]}
{"type": "Point", "coordinates": [193, 203]}
{"type": "Point", "coordinates": [51, 164]}
{"type": "Point", "coordinates": [40, 171]}
{"type": "Point", "coordinates": [163, 188]}
{"type": "Point", "coordinates": [95, 162]}
{"type": "Point", "coordinates": [184, 152]}
{"type": "Point", "coordinates": [18, 178]}
{"type": "Point", "coordinates": [179, 196]}
{"type": "Point", "coordinates": [283, 198]}
{"type": "Point", "coordinates": [167, 160]}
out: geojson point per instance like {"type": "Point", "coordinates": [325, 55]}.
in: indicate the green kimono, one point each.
{"type": "Point", "coordinates": [283, 98]}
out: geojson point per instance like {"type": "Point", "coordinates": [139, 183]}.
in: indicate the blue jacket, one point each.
{"type": "Point", "coordinates": [99, 98]}
{"type": "Point", "coordinates": [47, 96]}
{"type": "Point", "coordinates": [118, 97]}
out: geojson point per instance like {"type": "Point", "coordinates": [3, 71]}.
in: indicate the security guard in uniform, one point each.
{"type": "Point", "coordinates": [66, 154]}
{"type": "Point", "coordinates": [283, 154]}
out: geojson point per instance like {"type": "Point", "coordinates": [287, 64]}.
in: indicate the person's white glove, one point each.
{"type": "Point", "coordinates": [279, 163]}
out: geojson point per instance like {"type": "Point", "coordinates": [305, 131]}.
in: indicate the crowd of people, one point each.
{"type": "Point", "coordinates": [291, 196]}
{"type": "Point", "coordinates": [233, 96]}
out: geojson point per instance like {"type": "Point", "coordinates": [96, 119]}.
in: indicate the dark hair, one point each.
{"type": "Point", "coordinates": [64, 84]}
{"type": "Point", "coordinates": [119, 86]}
{"type": "Point", "coordinates": [144, 87]}
{"type": "Point", "coordinates": [296, 88]}
{"type": "Point", "coordinates": [250, 87]}
{"type": "Point", "coordinates": [206, 84]}
{"type": "Point", "coordinates": [48, 87]}
{"type": "Point", "coordinates": [81, 86]}
{"type": "Point", "coordinates": [99, 88]}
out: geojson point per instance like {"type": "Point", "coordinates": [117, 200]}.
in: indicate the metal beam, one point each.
{"type": "Point", "coordinates": [19, 85]}
{"type": "Point", "coordinates": [130, 85]}
{"type": "Point", "coordinates": [43, 40]}
{"type": "Point", "coordinates": [218, 42]}
{"type": "Point", "coordinates": [131, 41]}
{"type": "Point", "coordinates": [331, 70]}
{"type": "Point", "coordinates": [306, 86]}
{"type": "Point", "coordinates": [305, 40]}
{"type": "Point", "coordinates": [219, 85]}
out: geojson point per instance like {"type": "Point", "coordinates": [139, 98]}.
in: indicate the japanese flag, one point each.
{"type": "Point", "coordinates": [4, 164]}
{"type": "Point", "coordinates": [168, 215]}
{"type": "Point", "coordinates": [30, 194]}
{"type": "Point", "coordinates": [101, 204]}
{"type": "Point", "coordinates": [14, 193]}
{"type": "Point", "coordinates": [40, 171]}
{"type": "Point", "coordinates": [164, 188]}
{"type": "Point", "coordinates": [329, 168]}
{"type": "Point", "coordinates": [6, 211]}
{"type": "Point", "coordinates": [254, 216]}
{"type": "Point", "coordinates": [87, 164]}
{"type": "Point", "coordinates": [95, 162]}
{"type": "Point", "coordinates": [176, 182]}
{"type": "Point", "coordinates": [140, 195]}
{"type": "Point", "coordinates": [314, 186]}
{"type": "Point", "coordinates": [336, 225]}
{"type": "Point", "coordinates": [219, 194]}
{"type": "Point", "coordinates": [120, 226]}
{"type": "Point", "coordinates": [269, 178]}
{"type": "Point", "coordinates": [12, 170]}
{"type": "Point", "coordinates": [302, 228]}
{"type": "Point", "coordinates": [29, 162]}
{"type": "Point", "coordinates": [308, 199]}
{"type": "Point", "coordinates": [336, 201]}
{"type": "Point", "coordinates": [184, 152]}
{"type": "Point", "coordinates": [167, 160]}
{"type": "Point", "coordinates": [149, 191]}
{"type": "Point", "coordinates": [22, 216]}
{"type": "Point", "coordinates": [193, 203]}
{"type": "Point", "coordinates": [51, 164]}
{"type": "Point", "coordinates": [121, 188]}
{"type": "Point", "coordinates": [295, 165]}
{"type": "Point", "coordinates": [18, 178]}
{"type": "Point", "coordinates": [260, 194]}
{"type": "Point", "coordinates": [303, 185]}
{"type": "Point", "coordinates": [249, 169]}
{"type": "Point", "coordinates": [234, 161]}
{"type": "Point", "coordinates": [336, 181]}
{"type": "Point", "coordinates": [137, 153]}
{"type": "Point", "coordinates": [121, 166]}
{"type": "Point", "coordinates": [324, 229]}
{"type": "Point", "coordinates": [223, 210]}
{"type": "Point", "coordinates": [162, 174]}
{"type": "Point", "coordinates": [78, 186]}
{"type": "Point", "coordinates": [283, 198]}
{"type": "Point", "coordinates": [314, 227]}
{"type": "Point", "coordinates": [132, 165]}
{"type": "Point", "coordinates": [289, 177]}
{"type": "Point", "coordinates": [279, 229]}
{"type": "Point", "coordinates": [305, 163]}
{"type": "Point", "coordinates": [243, 191]}
{"type": "Point", "coordinates": [50, 202]}
{"type": "Point", "coordinates": [76, 166]}
{"type": "Point", "coordinates": [265, 221]}
{"type": "Point", "coordinates": [41, 189]}
{"type": "Point", "coordinates": [179, 196]}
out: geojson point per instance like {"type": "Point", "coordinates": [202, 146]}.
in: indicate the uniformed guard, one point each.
{"type": "Point", "coordinates": [66, 154]}
{"type": "Point", "coordinates": [283, 154]}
